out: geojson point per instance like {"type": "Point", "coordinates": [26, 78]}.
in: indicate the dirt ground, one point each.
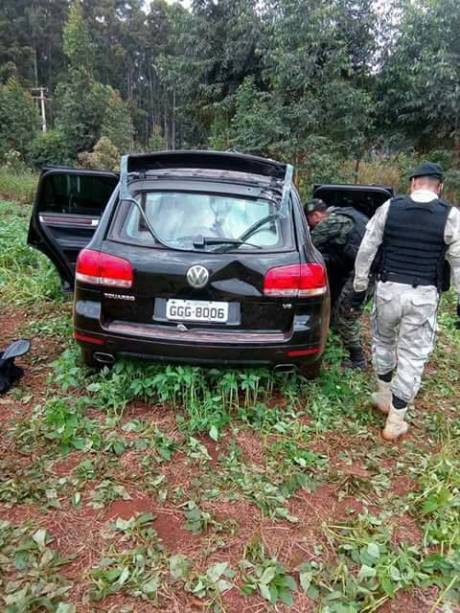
{"type": "Point", "coordinates": [82, 532]}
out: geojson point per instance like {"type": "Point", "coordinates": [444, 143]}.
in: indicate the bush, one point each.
{"type": "Point", "coordinates": [380, 171]}
{"type": "Point", "coordinates": [157, 141]}
{"type": "Point", "coordinates": [49, 148]}
{"type": "Point", "coordinates": [104, 156]}
{"type": "Point", "coordinates": [13, 162]}
{"type": "Point", "coordinates": [452, 186]}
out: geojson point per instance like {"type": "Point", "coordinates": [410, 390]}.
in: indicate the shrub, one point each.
{"type": "Point", "coordinates": [49, 148]}
{"type": "Point", "coordinates": [157, 141]}
{"type": "Point", "coordinates": [104, 155]}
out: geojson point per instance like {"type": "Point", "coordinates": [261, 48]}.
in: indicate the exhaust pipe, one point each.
{"type": "Point", "coordinates": [284, 368]}
{"type": "Point", "coordinates": [104, 358]}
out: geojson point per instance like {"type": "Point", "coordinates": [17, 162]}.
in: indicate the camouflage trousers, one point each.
{"type": "Point", "coordinates": [345, 320]}
{"type": "Point", "coordinates": [404, 330]}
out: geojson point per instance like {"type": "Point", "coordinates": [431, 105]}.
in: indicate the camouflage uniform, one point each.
{"type": "Point", "coordinates": [404, 317]}
{"type": "Point", "coordinates": [333, 231]}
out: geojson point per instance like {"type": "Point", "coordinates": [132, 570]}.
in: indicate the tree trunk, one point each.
{"type": "Point", "coordinates": [36, 67]}
{"type": "Point", "coordinates": [356, 172]}
{"type": "Point", "coordinates": [457, 142]}
{"type": "Point", "coordinates": [173, 121]}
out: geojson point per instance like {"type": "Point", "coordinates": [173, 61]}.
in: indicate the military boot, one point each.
{"type": "Point", "coordinates": [381, 399]}
{"type": "Point", "coordinates": [395, 425]}
{"type": "Point", "coordinates": [356, 359]}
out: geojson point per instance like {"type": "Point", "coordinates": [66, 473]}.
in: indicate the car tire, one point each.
{"type": "Point", "coordinates": [310, 371]}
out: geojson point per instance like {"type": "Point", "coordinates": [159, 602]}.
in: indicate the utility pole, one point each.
{"type": "Point", "coordinates": [40, 94]}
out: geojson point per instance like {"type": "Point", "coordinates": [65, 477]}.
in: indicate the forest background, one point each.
{"type": "Point", "coordinates": [347, 90]}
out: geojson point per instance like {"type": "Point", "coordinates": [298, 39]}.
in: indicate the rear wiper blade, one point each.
{"type": "Point", "coordinates": [202, 241]}
{"type": "Point", "coordinates": [258, 224]}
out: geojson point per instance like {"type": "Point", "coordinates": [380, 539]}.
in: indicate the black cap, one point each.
{"type": "Point", "coordinates": [315, 205]}
{"type": "Point", "coordinates": [427, 169]}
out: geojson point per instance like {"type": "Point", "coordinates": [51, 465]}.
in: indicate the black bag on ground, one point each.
{"type": "Point", "coordinates": [9, 372]}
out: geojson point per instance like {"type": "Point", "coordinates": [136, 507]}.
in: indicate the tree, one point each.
{"type": "Point", "coordinates": [419, 85]}
{"type": "Point", "coordinates": [31, 40]}
{"type": "Point", "coordinates": [77, 44]}
{"type": "Point", "coordinates": [258, 125]}
{"type": "Point", "coordinates": [117, 124]}
{"type": "Point", "coordinates": [86, 106]}
{"type": "Point", "coordinates": [317, 73]}
{"type": "Point", "coordinates": [19, 121]}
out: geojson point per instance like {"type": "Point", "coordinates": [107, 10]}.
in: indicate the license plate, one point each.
{"type": "Point", "coordinates": [197, 310]}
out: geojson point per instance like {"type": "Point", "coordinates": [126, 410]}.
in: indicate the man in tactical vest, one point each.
{"type": "Point", "coordinates": [337, 233]}
{"type": "Point", "coordinates": [413, 237]}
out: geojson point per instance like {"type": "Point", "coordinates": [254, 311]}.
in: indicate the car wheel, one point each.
{"type": "Point", "coordinates": [310, 371]}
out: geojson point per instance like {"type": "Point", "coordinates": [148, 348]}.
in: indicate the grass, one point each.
{"type": "Point", "coordinates": [26, 276]}
{"type": "Point", "coordinates": [165, 486]}
{"type": "Point", "coordinates": [17, 186]}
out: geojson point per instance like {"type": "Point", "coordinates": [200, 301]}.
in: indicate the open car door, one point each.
{"type": "Point", "coordinates": [364, 198]}
{"type": "Point", "coordinates": [67, 209]}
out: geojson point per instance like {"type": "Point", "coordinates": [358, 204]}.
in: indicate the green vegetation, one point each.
{"type": "Point", "coordinates": [322, 85]}
{"type": "Point", "coordinates": [26, 276]}
{"type": "Point", "coordinates": [208, 484]}
{"type": "Point", "coordinates": [16, 184]}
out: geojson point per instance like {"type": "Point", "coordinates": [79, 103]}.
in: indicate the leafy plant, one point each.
{"type": "Point", "coordinates": [31, 570]}
{"type": "Point", "coordinates": [137, 572]}
{"type": "Point", "coordinates": [197, 520]}
{"type": "Point", "coordinates": [107, 491]}
{"type": "Point", "coordinates": [212, 583]}
{"type": "Point", "coordinates": [137, 527]}
{"type": "Point", "coordinates": [370, 570]}
{"type": "Point", "coordinates": [271, 580]}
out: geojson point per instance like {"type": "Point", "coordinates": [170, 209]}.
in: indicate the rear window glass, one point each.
{"type": "Point", "coordinates": [190, 220]}
{"type": "Point", "coordinates": [76, 194]}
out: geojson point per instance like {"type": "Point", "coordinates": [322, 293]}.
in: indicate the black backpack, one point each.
{"type": "Point", "coordinates": [9, 372]}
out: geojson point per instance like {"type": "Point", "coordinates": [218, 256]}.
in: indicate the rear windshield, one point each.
{"type": "Point", "coordinates": [197, 221]}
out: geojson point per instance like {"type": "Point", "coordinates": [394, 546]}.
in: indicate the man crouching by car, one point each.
{"type": "Point", "coordinates": [337, 233]}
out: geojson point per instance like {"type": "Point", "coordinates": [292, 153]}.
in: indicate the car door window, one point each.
{"type": "Point", "coordinates": [76, 194]}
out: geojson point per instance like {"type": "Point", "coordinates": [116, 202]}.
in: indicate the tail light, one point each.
{"type": "Point", "coordinates": [85, 338]}
{"type": "Point", "coordinates": [98, 268]}
{"type": "Point", "coordinates": [296, 281]}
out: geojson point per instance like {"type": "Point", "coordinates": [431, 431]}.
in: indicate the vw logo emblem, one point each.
{"type": "Point", "coordinates": [197, 276]}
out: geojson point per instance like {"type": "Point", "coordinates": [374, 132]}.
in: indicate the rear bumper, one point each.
{"type": "Point", "coordinates": [189, 353]}
{"type": "Point", "coordinates": [198, 346]}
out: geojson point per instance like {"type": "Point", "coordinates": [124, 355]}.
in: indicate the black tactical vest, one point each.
{"type": "Point", "coordinates": [355, 235]}
{"type": "Point", "coordinates": [413, 247]}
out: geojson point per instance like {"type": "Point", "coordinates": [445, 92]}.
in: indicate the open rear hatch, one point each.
{"type": "Point", "coordinates": [204, 160]}
{"type": "Point", "coordinates": [364, 198]}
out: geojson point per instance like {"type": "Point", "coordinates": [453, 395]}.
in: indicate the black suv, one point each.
{"type": "Point", "coordinates": [195, 257]}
